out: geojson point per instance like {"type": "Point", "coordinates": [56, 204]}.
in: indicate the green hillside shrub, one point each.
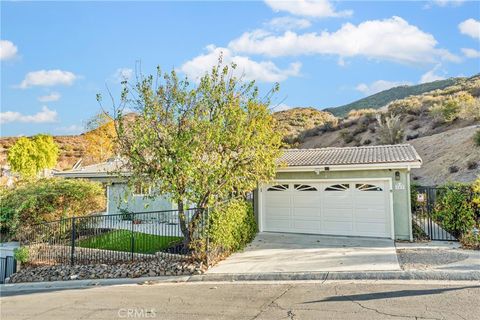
{"type": "Point", "coordinates": [390, 129]}
{"type": "Point", "coordinates": [476, 138]}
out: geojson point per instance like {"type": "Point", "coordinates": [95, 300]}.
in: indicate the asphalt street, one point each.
{"type": "Point", "coordinates": [252, 300]}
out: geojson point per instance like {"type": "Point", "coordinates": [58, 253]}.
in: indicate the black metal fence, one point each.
{"type": "Point", "coordinates": [115, 238]}
{"type": "Point", "coordinates": [425, 202]}
{"type": "Point", "coordinates": [8, 266]}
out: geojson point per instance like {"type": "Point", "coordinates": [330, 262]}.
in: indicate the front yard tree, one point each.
{"type": "Point", "coordinates": [28, 157]}
{"type": "Point", "coordinates": [200, 144]}
{"type": "Point", "coordinates": [100, 137]}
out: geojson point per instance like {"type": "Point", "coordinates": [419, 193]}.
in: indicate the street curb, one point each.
{"type": "Point", "coordinates": [18, 288]}
{"type": "Point", "coordinates": [81, 284]}
{"type": "Point", "coordinates": [323, 276]}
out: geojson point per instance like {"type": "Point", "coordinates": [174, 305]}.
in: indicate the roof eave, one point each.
{"type": "Point", "coordinates": [352, 167]}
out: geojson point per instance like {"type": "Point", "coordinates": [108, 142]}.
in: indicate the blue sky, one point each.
{"type": "Point", "coordinates": [56, 56]}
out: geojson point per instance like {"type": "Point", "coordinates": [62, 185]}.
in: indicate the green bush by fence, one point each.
{"type": "Point", "coordinates": [455, 209]}
{"type": "Point", "coordinates": [458, 211]}
{"type": "Point", "coordinates": [232, 226]}
{"type": "Point", "coordinates": [33, 202]}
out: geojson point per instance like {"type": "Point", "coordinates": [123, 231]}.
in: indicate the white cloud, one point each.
{"type": "Point", "coordinates": [391, 39]}
{"type": "Point", "coordinates": [263, 71]}
{"type": "Point", "coordinates": [7, 50]}
{"type": "Point", "coordinates": [288, 23]}
{"type": "Point", "coordinates": [432, 75]}
{"type": "Point", "coordinates": [470, 27]}
{"type": "Point", "coordinates": [44, 116]}
{"type": "Point", "coordinates": [122, 74]}
{"type": "Point", "coordinates": [72, 129]}
{"type": "Point", "coordinates": [307, 8]}
{"type": "Point", "coordinates": [448, 3]}
{"type": "Point", "coordinates": [379, 85]}
{"type": "Point", "coordinates": [54, 96]}
{"type": "Point", "coordinates": [47, 78]}
{"type": "Point", "coordinates": [471, 53]}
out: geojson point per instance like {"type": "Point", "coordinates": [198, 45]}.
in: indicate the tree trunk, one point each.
{"type": "Point", "coordinates": [183, 224]}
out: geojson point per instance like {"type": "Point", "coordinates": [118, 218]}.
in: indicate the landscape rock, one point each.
{"type": "Point", "coordinates": [134, 269]}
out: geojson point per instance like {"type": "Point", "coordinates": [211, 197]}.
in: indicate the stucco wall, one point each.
{"type": "Point", "coordinates": [401, 198]}
{"type": "Point", "coordinates": [121, 197]}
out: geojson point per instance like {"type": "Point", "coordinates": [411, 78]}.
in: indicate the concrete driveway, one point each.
{"type": "Point", "coordinates": [284, 252]}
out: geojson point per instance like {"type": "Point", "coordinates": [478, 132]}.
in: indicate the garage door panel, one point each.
{"type": "Point", "coordinates": [337, 227]}
{"type": "Point", "coordinates": [279, 225]}
{"type": "Point", "coordinates": [301, 225]}
{"type": "Point", "coordinates": [278, 213]}
{"type": "Point", "coordinates": [371, 228]}
{"type": "Point", "coordinates": [337, 213]}
{"type": "Point", "coordinates": [306, 213]}
{"type": "Point", "coordinates": [305, 200]}
{"type": "Point", "coordinates": [368, 214]}
{"type": "Point", "coordinates": [278, 200]}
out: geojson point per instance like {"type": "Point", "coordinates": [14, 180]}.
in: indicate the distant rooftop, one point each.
{"type": "Point", "coordinates": [103, 169]}
{"type": "Point", "coordinates": [400, 153]}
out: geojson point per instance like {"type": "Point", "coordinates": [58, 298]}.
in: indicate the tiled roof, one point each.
{"type": "Point", "coordinates": [399, 153]}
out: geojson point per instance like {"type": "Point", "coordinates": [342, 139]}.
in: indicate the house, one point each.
{"type": "Point", "coordinates": [119, 195]}
{"type": "Point", "coordinates": [353, 191]}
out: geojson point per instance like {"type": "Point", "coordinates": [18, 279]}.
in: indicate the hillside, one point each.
{"type": "Point", "coordinates": [440, 124]}
{"type": "Point", "coordinates": [382, 98]}
{"type": "Point", "coordinates": [72, 148]}
{"type": "Point", "coordinates": [450, 155]}
{"type": "Point", "coordinates": [294, 121]}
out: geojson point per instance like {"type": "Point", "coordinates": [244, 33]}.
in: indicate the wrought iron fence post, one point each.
{"type": "Point", "coordinates": [207, 240]}
{"type": "Point", "coordinates": [132, 238]}
{"type": "Point", "coordinates": [72, 251]}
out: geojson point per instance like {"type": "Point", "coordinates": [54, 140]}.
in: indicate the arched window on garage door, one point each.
{"type": "Point", "coordinates": [367, 187]}
{"type": "Point", "coordinates": [304, 187]}
{"type": "Point", "coordinates": [338, 187]}
{"type": "Point", "coordinates": [278, 187]}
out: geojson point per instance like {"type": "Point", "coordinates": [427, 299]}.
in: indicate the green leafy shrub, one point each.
{"type": "Point", "coordinates": [21, 254]}
{"type": "Point", "coordinates": [476, 138]}
{"type": "Point", "coordinates": [455, 209]}
{"type": "Point", "coordinates": [471, 240]}
{"type": "Point", "coordinates": [232, 226]}
{"type": "Point", "coordinates": [447, 111]}
{"type": "Point", "coordinates": [347, 136]}
{"type": "Point", "coordinates": [33, 202]}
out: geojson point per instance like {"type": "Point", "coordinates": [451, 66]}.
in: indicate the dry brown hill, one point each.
{"type": "Point", "coordinates": [72, 148]}
{"type": "Point", "coordinates": [440, 124]}
{"type": "Point", "coordinates": [448, 156]}
{"type": "Point", "coordinates": [295, 121]}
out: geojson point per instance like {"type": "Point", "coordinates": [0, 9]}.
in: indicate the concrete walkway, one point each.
{"type": "Point", "coordinates": [282, 252]}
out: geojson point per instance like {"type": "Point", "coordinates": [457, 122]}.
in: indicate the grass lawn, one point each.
{"type": "Point", "coordinates": [120, 240]}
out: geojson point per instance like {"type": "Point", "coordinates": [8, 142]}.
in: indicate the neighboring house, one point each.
{"type": "Point", "coordinates": [119, 195]}
{"type": "Point", "coordinates": [354, 191]}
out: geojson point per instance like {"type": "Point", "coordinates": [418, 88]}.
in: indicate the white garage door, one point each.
{"type": "Point", "coordinates": [355, 208]}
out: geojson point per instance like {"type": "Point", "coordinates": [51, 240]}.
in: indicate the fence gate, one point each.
{"type": "Point", "coordinates": [8, 266]}
{"type": "Point", "coordinates": [423, 213]}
